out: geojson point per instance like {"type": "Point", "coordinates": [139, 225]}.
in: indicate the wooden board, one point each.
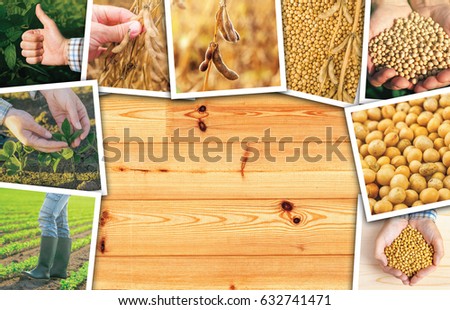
{"type": "Point", "coordinates": [371, 277]}
{"type": "Point", "coordinates": [201, 224]}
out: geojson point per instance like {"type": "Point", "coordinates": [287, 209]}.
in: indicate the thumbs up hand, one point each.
{"type": "Point", "coordinates": [45, 46]}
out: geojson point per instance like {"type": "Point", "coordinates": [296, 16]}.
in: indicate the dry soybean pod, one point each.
{"type": "Point", "coordinates": [228, 27]}
{"type": "Point", "coordinates": [208, 56]}
{"type": "Point", "coordinates": [119, 48]}
{"type": "Point", "coordinates": [331, 74]}
{"type": "Point", "coordinates": [222, 67]}
{"type": "Point", "coordinates": [149, 25]}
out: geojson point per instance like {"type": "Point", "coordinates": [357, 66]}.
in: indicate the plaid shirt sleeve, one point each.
{"type": "Point", "coordinates": [4, 108]}
{"type": "Point", "coordinates": [75, 54]}
{"type": "Point", "coordinates": [431, 214]}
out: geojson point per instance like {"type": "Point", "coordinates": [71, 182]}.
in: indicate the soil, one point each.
{"type": "Point", "coordinates": [87, 176]}
{"type": "Point", "coordinates": [22, 282]}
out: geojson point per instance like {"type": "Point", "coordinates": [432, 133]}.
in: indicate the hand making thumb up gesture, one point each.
{"type": "Point", "coordinates": [45, 46]}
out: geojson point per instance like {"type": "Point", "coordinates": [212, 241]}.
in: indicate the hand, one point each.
{"type": "Point", "coordinates": [382, 18]}
{"type": "Point", "coordinates": [439, 11]}
{"type": "Point", "coordinates": [391, 230]}
{"type": "Point", "coordinates": [23, 126]}
{"type": "Point", "coordinates": [64, 103]}
{"type": "Point", "coordinates": [46, 46]}
{"type": "Point", "coordinates": [432, 236]}
{"type": "Point", "coordinates": [110, 24]}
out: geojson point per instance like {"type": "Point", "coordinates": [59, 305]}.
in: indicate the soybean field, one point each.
{"type": "Point", "coordinates": [20, 240]}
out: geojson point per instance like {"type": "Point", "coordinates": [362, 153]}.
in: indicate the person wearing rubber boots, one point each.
{"type": "Point", "coordinates": [56, 243]}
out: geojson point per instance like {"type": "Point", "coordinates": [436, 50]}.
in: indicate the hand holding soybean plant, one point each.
{"type": "Point", "coordinates": [111, 24]}
{"type": "Point", "coordinates": [23, 126]}
{"type": "Point", "coordinates": [65, 104]}
{"type": "Point", "coordinates": [59, 151]}
{"type": "Point", "coordinates": [409, 248]}
{"type": "Point", "coordinates": [122, 54]}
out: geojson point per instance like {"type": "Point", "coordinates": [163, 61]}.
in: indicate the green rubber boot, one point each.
{"type": "Point", "coordinates": [46, 257]}
{"type": "Point", "coordinates": [62, 255]}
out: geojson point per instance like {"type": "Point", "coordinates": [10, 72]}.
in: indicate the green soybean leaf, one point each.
{"type": "Point", "coordinates": [83, 149]}
{"type": "Point", "coordinates": [10, 148]}
{"type": "Point", "coordinates": [19, 146]}
{"type": "Point", "coordinates": [91, 138]}
{"type": "Point", "coordinates": [10, 56]}
{"type": "Point", "coordinates": [76, 134]}
{"type": "Point", "coordinates": [76, 158]}
{"type": "Point", "coordinates": [44, 159]}
{"type": "Point", "coordinates": [55, 155]}
{"type": "Point", "coordinates": [12, 171]}
{"type": "Point", "coordinates": [91, 161]}
{"type": "Point", "coordinates": [3, 156]}
{"type": "Point", "coordinates": [13, 34]}
{"type": "Point", "coordinates": [35, 68]}
{"type": "Point", "coordinates": [67, 153]}
{"type": "Point", "coordinates": [13, 163]}
{"type": "Point", "coordinates": [28, 149]}
{"type": "Point", "coordinates": [47, 159]}
{"type": "Point", "coordinates": [59, 136]}
{"type": "Point", "coordinates": [55, 164]}
{"type": "Point", "coordinates": [65, 127]}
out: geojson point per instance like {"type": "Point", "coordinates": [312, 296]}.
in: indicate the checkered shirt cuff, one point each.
{"type": "Point", "coordinates": [4, 108]}
{"type": "Point", "coordinates": [75, 54]}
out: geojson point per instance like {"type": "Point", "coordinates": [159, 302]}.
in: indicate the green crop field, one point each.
{"type": "Point", "coordinates": [20, 238]}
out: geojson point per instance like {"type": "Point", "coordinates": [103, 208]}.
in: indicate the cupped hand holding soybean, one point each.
{"type": "Point", "coordinates": [45, 46]}
{"type": "Point", "coordinates": [440, 13]}
{"type": "Point", "coordinates": [111, 24]}
{"type": "Point", "coordinates": [431, 234]}
{"type": "Point", "coordinates": [382, 18]}
{"type": "Point", "coordinates": [391, 230]}
{"type": "Point", "coordinates": [23, 126]}
{"type": "Point", "coordinates": [64, 103]}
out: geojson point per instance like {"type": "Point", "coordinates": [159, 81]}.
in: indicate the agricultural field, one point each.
{"type": "Point", "coordinates": [73, 168]}
{"type": "Point", "coordinates": [20, 239]}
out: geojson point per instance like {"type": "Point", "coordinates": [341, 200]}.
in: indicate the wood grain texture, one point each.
{"type": "Point", "coordinates": [229, 227]}
{"type": "Point", "coordinates": [223, 272]}
{"type": "Point", "coordinates": [225, 117]}
{"type": "Point", "coordinates": [371, 276]}
{"type": "Point", "coordinates": [201, 224]}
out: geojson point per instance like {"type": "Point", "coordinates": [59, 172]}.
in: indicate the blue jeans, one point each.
{"type": "Point", "coordinates": [53, 219]}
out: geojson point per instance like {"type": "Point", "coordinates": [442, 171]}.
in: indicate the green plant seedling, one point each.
{"type": "Point", "coordinates": [15, 157]}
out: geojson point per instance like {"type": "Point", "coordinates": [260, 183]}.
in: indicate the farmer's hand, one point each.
{"type": "Point", "coordinates": [439, 11]}
{"type": "Point", "coordinates": [110, 24]}
{"type": "Point", "coordinates": [391, 230]}
{"type": "Point", "coordinates": [23, 126]}
{"type": "Point", "coordinates": [46, 46]}
{"type": "Point", "coordinates": [432, 236]}
{"type": "Point", "coordinates": [383, 16]}
{"type": "Point", "coordinates": [64, 103]}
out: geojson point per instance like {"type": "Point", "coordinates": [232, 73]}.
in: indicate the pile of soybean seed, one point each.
{"type": "Point", "coordinates": [415, 47]}
{"type": "Point", "coordinates": [405, 152]}
{"type": "Point", "coordinates": [409, 252]}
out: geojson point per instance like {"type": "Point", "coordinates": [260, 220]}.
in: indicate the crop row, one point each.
{"type": "Point", "coordinates": [75, 278]}
{"type": "Point", "coordinates": [6, 228]}
{"type": "Point", "coordinates": [29, 233]}
{"type": "Point", "coordinates": [16, 247]}
{"type": "Point", "coordinates": [15, 268]}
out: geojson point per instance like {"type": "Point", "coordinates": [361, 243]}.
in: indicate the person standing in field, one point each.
{"type": "Point", "coordinates": [56, 243]}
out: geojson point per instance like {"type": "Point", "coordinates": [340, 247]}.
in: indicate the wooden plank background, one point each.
{"type": "Point", "coordinates": [206, 225]}
{"type": "Point", "coordinates": [371, 277]}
